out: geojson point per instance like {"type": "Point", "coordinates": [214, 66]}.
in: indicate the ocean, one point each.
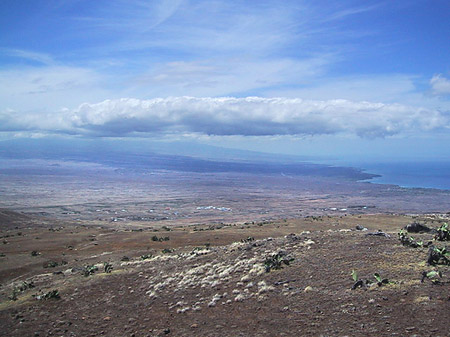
{"type": "Point", "coordinates": [410, 174]}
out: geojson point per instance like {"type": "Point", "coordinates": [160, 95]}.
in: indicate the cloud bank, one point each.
{"type": "Point", "coordinates": [228, 116]}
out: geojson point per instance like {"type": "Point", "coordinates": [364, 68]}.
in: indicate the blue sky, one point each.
{"type": "Point", "coordinates": [356, 78]}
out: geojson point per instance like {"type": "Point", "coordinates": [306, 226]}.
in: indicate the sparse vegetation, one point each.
{"type": "Point", "coordinates": [239, 273]}
{"type": "Point", "coordinates": [160, 239]}
{"type": "Point", "coordinates": [248, 239]}
{"type": "Point", "coordinates": [13, 296]}
{"type": "Point", "coordinates": [409, 241]}
{"type": "Point", "coordinates": [26, 285]}
{"type": "Point", "coordinates": [443, 233]}
{"type": "Point", "coordinates": [438, 255]}
{"type": "Point", "coordinates": [52, 294]}
{"type": "Point", "coordinates": [362, 283]}
{"type": "Point", "coordinates": [108, 267]}
{"type": "Point", "coordinates": [276, 261]}
{"type": "Point", "coordinates": [21, 288]}
{"type": "Point", "coordinates": [146, 256]}
{"type": "Point", "coordinates": [380, 281]}
{"type": "Point", "coordinates": [433, 275]}
{"type": "Point", "coordinates": [89, 270]}
{"type": "Point", "coordinates": [53, 264]}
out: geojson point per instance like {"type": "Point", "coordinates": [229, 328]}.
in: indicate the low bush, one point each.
{"type": "Point", "coordinates": [52, 294]}
{"type": "Point", "coordinates": [248, 239]}
{"type": "Point", "coordinates": [160, 239]}
{"type": "Point", "coordinates": [438, 255]}
{"type": "Point", "coordinates": [433, 275]}
{"type": "Point", "coordinates": [108, 267]}
{"type": "Point", "coordinates": [18, 289]}
{"type": "Point", "coordinates": [276, 261]}
{"type": "Point", "coordinates": [89, 270]}
{"type": "Point", "coordinates": [443, 233]}
{"type": "Point", "coordinates": [409, 241]}
{"type": "Point", "coordinates": [362, 283]}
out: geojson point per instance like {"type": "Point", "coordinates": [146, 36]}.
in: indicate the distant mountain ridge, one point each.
{"type": "Point", "coordinates": [131, 156]}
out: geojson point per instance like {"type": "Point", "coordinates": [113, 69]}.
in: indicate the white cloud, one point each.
{"type": "Point", "coordinates": [440, 85]}
{"type": "Point", "coordinates": [226, 116]}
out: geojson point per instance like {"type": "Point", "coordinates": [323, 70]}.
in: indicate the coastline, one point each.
{"type": "Point", "coordinates": [428, 175]}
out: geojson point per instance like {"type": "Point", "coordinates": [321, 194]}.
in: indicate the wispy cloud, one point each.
{"type": "Point", "coordinates": [223, 76]}
{"type": "Point", "coordinates": [48, 87]}
{"type": "Point", "coordinates": [41, 58]}
{"type": "Point", "coordinates": [195, 30]}
{"type": "Point", "coordinates": [251, 116]}
{"type": "Point", "coordinates": [130, 17]}
{"type": "Point", "coordinates": [339, 14]}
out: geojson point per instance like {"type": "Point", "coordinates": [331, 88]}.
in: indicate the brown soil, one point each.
{"type": "Point", "coordinates": [223, 290]}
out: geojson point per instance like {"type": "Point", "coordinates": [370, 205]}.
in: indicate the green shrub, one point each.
{"type": "Point", "coordinates": [49, 295]}
{"type": "Point", "coordinates": [160, 239]}
{"type": "Point", "coordinates": [438, 255]}
{"type": "Point", "coordinates": [367, 282]}
{"type": "Point", "coordinates": [13, 296]}
{"type": "Point", "coordinates": [108, 267]}
{"type": "Point", "coordinates": [433, 275]}
{"type": "Point", "coordinates": [443, 233]}
{"type": "Point", "coordinates": [89, 270]}
{"type": "Point", "coordinates": [248, 239]}
{"type": "Point", "coordinates": [409, 241]}
{"type": "Point", "coordinates": [276, 261]}
{"type": "Point", "coordinates": [51, 264]}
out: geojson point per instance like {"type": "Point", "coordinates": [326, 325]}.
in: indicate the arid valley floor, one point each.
{"type": "Point", "coordinates": [174, 254]}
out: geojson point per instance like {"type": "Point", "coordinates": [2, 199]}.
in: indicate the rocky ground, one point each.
{"type": "Point", "coordinates": [285, 278]}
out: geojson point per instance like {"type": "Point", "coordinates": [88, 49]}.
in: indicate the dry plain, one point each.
{"type": "Point", "coordinates": [190, 255]}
